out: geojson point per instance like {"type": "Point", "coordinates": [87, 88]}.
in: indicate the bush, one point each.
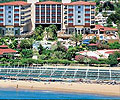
{"type": "Point", "coordinates": [26, 53]}
{"type": "Point", "coordinates": [80, 58]}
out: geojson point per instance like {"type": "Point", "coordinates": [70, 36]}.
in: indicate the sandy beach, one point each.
{"type": "Point", "coordinates": [110, 90]}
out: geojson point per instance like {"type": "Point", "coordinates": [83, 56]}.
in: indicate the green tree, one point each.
{"type": "Point", "coordinates": [38, 33]}
{"type": "Point", "coordinates": [77, 38]}
{"type": "Point", "coordinates": [26, 53]}
{"type": "Point", "coordinates": [26, 44]}
{"type": "Point", "coordinates": [112, 60]}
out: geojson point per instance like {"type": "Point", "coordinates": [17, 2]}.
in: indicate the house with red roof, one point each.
{"type": "Point", "coordinates": [4, 51]}
{"type": "Point", "coordinates": [104, 33]}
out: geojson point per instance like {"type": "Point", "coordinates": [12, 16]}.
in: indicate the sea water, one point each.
{"type": "Point", "coordinates": [33, 94]}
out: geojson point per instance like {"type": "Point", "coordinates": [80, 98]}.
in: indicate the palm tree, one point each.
{"type": "Point", "coordinates": [53, 29]}
{"type": "Point", "coordinates": [77, 38]}
{"type": "Point", "coordinates": [39, 30]}
{"type": "Point", "coordinates": [46, 31]}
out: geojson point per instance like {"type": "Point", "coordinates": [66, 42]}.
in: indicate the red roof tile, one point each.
{"type": "Point", "coordinates": [80, 3]}
{"type": "Point", "coordinates": [15, 3]}
{"type": "Point", "coordinates": [4, 46]}
{"type": "Point", "coordinates": [92, 44]}
{"type": "Point", "coordinates": [102, 28]}
{"type": "Point", "coordinates": [2, 51]}
{"type": "Point", "coordinates": [49, 2]}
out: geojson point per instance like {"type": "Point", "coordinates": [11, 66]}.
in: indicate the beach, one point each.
{"type": "Point", "coordinates": [102, 89]}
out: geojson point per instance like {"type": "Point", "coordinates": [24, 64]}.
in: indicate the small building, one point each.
{"type": "Point", "coordinates": [5, 51]}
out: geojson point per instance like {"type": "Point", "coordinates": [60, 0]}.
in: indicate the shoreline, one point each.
{"type": "Point", "coordinates": [106, 90]}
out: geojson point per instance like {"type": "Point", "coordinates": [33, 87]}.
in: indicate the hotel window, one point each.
{"type": "Point", "coordinates": [59, 15]}
{"type": "Point", "coordinates": [87, 16]}
{"type": "Point", "coordinates": [70, 7]}
{"type": "Point", "coordinates": [79, 11]}
{"type": "Point", "coordinates": [70, 16]}
{"type": "Point", "coordinates": [1, 21]}
{"type": "Point", "coordinates": [58, 10]}
{"type": "Point", "coordinates": [87, 12]}
{"type": "Point", "coordinates": [9, 11]}
{"type": "Point", "coordinates": [70, 21]}
{"type": "Point", "coordinates": [79, 21]}
{"type": "Point", "coordinates": [53, 19]}
{"type": "Point", "coordinates": [48, 11]}
{"type": "Point", "coordinates": [88, 7]}
{"type": "Point", "coordinates": [9, 16]}
{"type": "Point", "coordinates": [92, 12]}
{"type": "Point", "coordinates": [87, 21]}
{"type": "Point", "coordinates": [92, 7]}
{"type": "Point", "coordinates": [42, 10]}
{"type": "Point", "coordinates": [37, 10]}
{"type": "Point", "coordinates": [1, 7]}
{"type": "Point", "coordinates": [48, 15]}
{"type": "Point", "coordinates": [79, 16]}
{"type": "Point", "coordinates": [37, 6]}
{"type": "Point", "coordinates": [47, 6]}
{"type": "Point", "coordinates": [1, 16]}
{"type": "Point", "coordinates": [16, 7]}
{"type": "Point", "coordinates": [9, 7]}
{"type": "Point", "coordinates": [79, 6]}
{"type": "Point", "coordinates": [9, 21]}
{"type": "Point", "coordinates": [43, 15]}
{"type": "Point", "coordinates": [42, 6]}
{"type": "Point", "coordinates": [65, 22]}
{"type": "Point", "coordinates": [59, 6]}
{"type": "Point", "coordinates": [42, 19]}
{"type": "Point", "coordinates": [1, 12]}
{"type": "Point", "coordinates": [70, 12]}
{"type": "Point", "coordinates": [53, 15]}
{"type": "Point", "coordinates": [47, 19]}
{"type": "Point", "coordinates": [92, 22]}
{"type": "Point", "coordinates": [16, 21]}
{"type": "Point", "coordinates": [65, 7]}
{"type": "Point", "coordinates": [53, 6]}
{"type": "Point", "coordinates": [53, 10]}
{"type": "Point", "coordinates": [58, 20]}
{"type": "Point", "coordinates": [65, 17]}
{"type": "Point", "coordinates": [17, 12]}
{"type": "Point", "coordinates": [65, 12]}
{"type": "Point", "coordinates": [92, 17]}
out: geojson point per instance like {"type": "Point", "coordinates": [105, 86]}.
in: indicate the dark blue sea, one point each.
{"type": "Point", "coordinates": [33, 94]}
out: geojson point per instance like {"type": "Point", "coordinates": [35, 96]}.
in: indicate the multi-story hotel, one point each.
{"type": "Point", "coordinates": [48, 12]}
{"type": "Point", "coordinates": [15, 18]}
{"type": "Point", "coordinates": [70, 17]}
{"type": "Point", "coordinates": [78, 17]}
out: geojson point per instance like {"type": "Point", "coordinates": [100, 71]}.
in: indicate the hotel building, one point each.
{"type": "Point", "coordinates": [21, 17]}
{"type": "Point", "coordinates": [78, 17]}
{"type": "Point", "coordinates": [47, 13]}
{"type": "Point", "coordinates": [15, 18]}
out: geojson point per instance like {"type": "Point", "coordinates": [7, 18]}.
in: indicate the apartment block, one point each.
{"type": "Point", "coordinates": [78, 17]}
{"type": "Point", "coordinates": [15, 18]}
{"type": "Point", "coordinates": [48, 12]}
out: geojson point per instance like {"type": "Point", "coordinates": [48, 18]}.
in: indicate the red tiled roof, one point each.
{"type": "Point", "coordinates": [102, 28]}
{"type": "Point", "coordinates": [80, 3]}
{"type": "Point", "coordinates": [49, 2]}
{"type": "Point", "coordinates": [111, 52]}
{"type": "Point", "coordinates": [92, 44]}
{"type": "Point", "coordinates": [4, 46]}
{"type": "Point", "coordinates": [15, 3]}
{"type": "Point", "coordinates": [2, 51]}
